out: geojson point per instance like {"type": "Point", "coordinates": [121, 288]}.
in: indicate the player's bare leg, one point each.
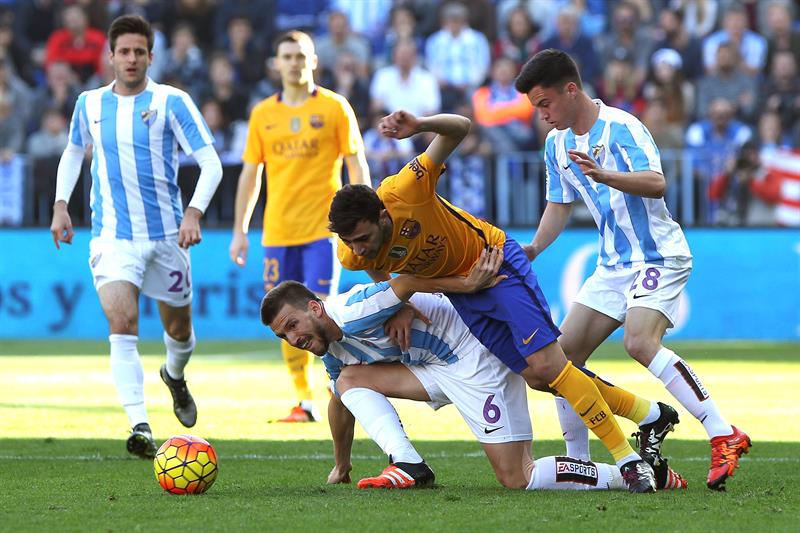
{"type": "Point", "coordinates": [644, 329]}
{"type": "Point", "coordinates": [120, 303]}
{"type": "Point", "coordinates": [180, 341]}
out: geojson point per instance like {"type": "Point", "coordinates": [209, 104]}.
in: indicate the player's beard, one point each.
{"type": "Point", "coordinates": [319, 334]}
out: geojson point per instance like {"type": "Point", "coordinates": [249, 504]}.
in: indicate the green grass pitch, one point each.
{"type": "Point", "coordinates": [63, 465]}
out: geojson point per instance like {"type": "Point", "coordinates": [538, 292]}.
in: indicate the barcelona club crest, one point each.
{"type": "Point", "coordinates": [149, 116]}
{"type": "Point", "coordinates": [317, 121]}
{"type": "Point", "coordinates": [410, 229]}
{"type": "Point", "coordinates": [294, 124]}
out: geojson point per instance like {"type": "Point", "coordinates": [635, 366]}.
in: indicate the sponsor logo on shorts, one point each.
{"type": "Point", "coordinates": [94, 260]}
{"type": "Point", "coordinates": [529, 339]}
{"type": "Point", "coordinates": [316, 121]}
{"type": "Point", "coordinates": [489, 431]}
{"type": "Point", "coordinates": [398, 252]}
{"type": "Point", "coordinates": [321, 281]}
{"type": "Point", "coordinates": [410, 229]}
{"type": "Point", "coordinates": [576, 471]}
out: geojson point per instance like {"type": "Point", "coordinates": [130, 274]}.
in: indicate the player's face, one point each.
{"type": "Point", "coordinates": [367, 239]}
{"type": "Point", "coordinates": [130, 60]}
{"type": "Point", "coordinates": [556, 105]}
{"type": "Point", "coordinates": [302, 328]}
{"type": "Point", "coordinates": [296, 63]}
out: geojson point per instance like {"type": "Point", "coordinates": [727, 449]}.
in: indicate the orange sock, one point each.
{"type": "Point", "coordinates": [581, 392]}
{"type": "Point", "coordinates": [299, 364]}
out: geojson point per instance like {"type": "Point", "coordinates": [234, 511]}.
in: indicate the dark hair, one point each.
{"type": "Point", "coordinates": [286, 293]}
{"type": "Point", "coordinates": [294, 36]}
{"type": "Point", "coordinates": [130, 24]}
{"type": "Point", "coordinates": [548, 68]}
{"type": "Point", "coordinates": [351, 205]}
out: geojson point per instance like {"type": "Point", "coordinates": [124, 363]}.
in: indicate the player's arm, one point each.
{"type": "Point", "coordinates": [646, 183]}
{"type": "Point", "coordinates": [207, 183]}
{"type": "Point", "coordinates": [554, 220]}
{"type": "Point", "coordinates": [358, 169]}
{"type": "Point", "coordinates": [69, 170]}
{"type": "Point", "coordinates": [342, 424]}
{"type": "Point", "coordinates": [450, 130]}
{"type": "Point", "coordinates": [246, 198]}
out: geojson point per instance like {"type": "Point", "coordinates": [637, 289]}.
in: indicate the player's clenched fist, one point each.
{"type": "Point", "coordinates": [399, 125]}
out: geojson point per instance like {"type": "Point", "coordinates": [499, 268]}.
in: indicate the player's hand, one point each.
{"type": "Point", "coordinates": [189, 232]}
{"type": "Point", "coordinates": [61, 226]}
{"type": "Point", "coordinates": [398, 327]}
{"type": "Point", "coordinates": [398, 125]}
{"type": "Point", "coordinates": [589, 166]}
{"type": "Point", "coordinates": [340, 474]}
{"type": "Point", "coordinates": [238, 248]}
{"type": "Point", "coordinates": [483, 274]}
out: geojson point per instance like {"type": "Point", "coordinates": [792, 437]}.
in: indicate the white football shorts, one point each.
{"type": "Point", "coordinates": [160, 269]}
{"type": "Point", "coordinates": [614, 291]}
{"type": "Point", "coordinates": [491, 398]}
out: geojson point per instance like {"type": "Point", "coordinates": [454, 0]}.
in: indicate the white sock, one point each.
{"type": "Point", "coordinates": [381, 422]}
{"type": "Point", "coordinates": [567, 473]}
{"type": "Point", "coordinates": [686, 387]}
{"type": "Point", "coordinates": [126, 367]}
{"type": "Point", "coordinates": [652, 414]}
{"type": "Point", "coordinates": [575, 432]}
{"type": "Point", "coordinates": [178, 354]}
{"type": "Point", "coordinates": [309, 406]}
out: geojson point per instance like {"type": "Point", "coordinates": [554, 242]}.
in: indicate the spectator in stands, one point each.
{"type": "Point", "coordinates": [482, 16]}
{"type": "Point", "coordinates": [200, 15]}
{"type": "Point", "coordinates": [260, 14]}
{"type": "Point", "coordinates": [627, 38]}
{"type": "Point", "coordinates": [303, 15]}
{"type": "Point", "coordinates": [185, 61]}
{"type": "Point", "coordinates": [782, 37]}
{"type": "Point", "coordinates": [16, 95]}
{"type": "Point", "coordinates": [699, 16]}
{"type": "Point", "coordinates": [346, 80]}
{"type": "Point", "coordinates": [457, 55]}
{"type": "Point", "coordinates": [403, 27]}
{"type": "Point", "coordinates": [50, 139]}
{"type": "Point", "coordinates": [341, 39]}
{"type": "Point", "coordinates": [751, 46]}
{"type": "Point", "coordinates": [12, 47]}
{"type": "Point", "coordinates": [675, 36]}
{"type": "Point", "coordinates": [60, 91]}
{"type": "Point", "coordinates": [84, 48]}
{"type": "Point", "coordinates": [667, 135]}
{"type": "Point", "coordinates": [729, 81]}
{"type": "Point", "coordinates": [781, 92]}
{"type": "Point", "coordinates": [404, 84]}
{"type": "Point", "coordinates": [592, 14]}
{"type": "Point", "coordinates": [12, 138]}
{"type": "Point", "coordinates": [518, 40]}
{"type": "Point", "coordinates": [268, 85]}
{"type": "Point", "coordinates": [385, 156]}
{"type": "Point", "coordinates": [569, 39]}
{"type": "Point", "coordinates": [619, 86]}
{"type": "Point", "coordinates": [244, 51]}
{"type": "Point", "coordinates": [738, 206]}
{"type": "Point", "coordinates": [223, 88]}
{"type": "Point", "coordinates": [503, 113]}
{"type": "Point", "coordinates": [666, 84]}
{"type": "Point", "coordinates": [369, 19]}
{"type": "Point", "coordinates": [229, 138]}
{"type": "Point", "coordinates": [34, 23]}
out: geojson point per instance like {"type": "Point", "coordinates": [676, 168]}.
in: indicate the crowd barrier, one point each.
{"type": "Point", "coordinates": [745, 285]}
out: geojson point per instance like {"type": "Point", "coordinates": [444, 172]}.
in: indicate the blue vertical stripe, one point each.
{"type": "Point", "coordinates": [108, 138]}
{"type": "Point", "coordinates": [168, 150]}
{"type": "Point", "coordinates": [368, 292]}
{"type": "Point", "coordinates": [435, 345]}
{"type": "Point", "coordinates": [621, 136]}
{"type": "Point", "coordinates": [97, 205]}
{"type": "Point", "coordinates": [190, 127]}
{"type": "Point", "coordinates": [144, 165]}
{"type": "Point", "coordinates": [75, 127]}
{"type": "Point", "coordinates": [641, 227]}
{"type": "Point", "coordinates": [554, 188]}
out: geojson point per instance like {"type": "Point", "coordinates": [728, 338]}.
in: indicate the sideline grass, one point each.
{"type": "Point", "coordinates": [63, 464]}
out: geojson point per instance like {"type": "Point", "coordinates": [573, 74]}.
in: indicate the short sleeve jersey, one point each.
{"type": "Point", "coordinates": [431, 238]}
{"type": "Point", "coordinates": [301, 148]}
{"type": "Point", "coordinates": [633, 229]}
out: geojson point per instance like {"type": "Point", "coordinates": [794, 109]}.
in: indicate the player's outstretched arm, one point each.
{"type": "Point", "coordinates": [450, 130]}
{"type": "Point", "coordinates": [342, 424]}
{"type": "Point", "coordinates": [554, 220]}
{"type": "Point", "coordinates": [246, 198]}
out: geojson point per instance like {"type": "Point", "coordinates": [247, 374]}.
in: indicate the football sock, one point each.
{"type": "Point", "coordinates": [380, 420]}
{"type": "Point", "coordinates": [583, 395]}
{"type": "Point", "coordinates": [126, 368]}
{"type": "Point", "coordinates": [567, 473]}
{"type": "Point", "coordinates": [686, 387]}
{"type": "Point", "coordinates": [575, 432]}
{"type": "Point", "coordinates": [299, 364]}
{"type": "Point", "coordinates": [621, 402]}
{"type": "Point", "coordinates": [178, 354]}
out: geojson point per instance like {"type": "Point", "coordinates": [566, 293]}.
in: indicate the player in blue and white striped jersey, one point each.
{"type": "Point", "coordinates": [609, 159]}
{"type": "Point", "coordinates": [445, 363]}
{"type": "Point", "coordinates": [140, 232]}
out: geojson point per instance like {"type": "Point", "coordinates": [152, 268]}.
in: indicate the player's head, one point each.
{"type": "Point", "coordinates": [296, 315]}
{"type": "Point", "coordinates": [552, 83]}
{"type": "Point", "coordinates": [131, 49]}
{"type": "Point", "coordinates": [295, 58]}
{"type": "Point", "coordinates": [358, 216]}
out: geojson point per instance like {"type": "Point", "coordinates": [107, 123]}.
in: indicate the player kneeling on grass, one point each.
{"type": "Point", "coordinates": [444, 364]}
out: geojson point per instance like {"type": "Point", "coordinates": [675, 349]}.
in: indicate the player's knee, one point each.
{"type": "Point", "coordinates": [123, 324]}
{"type": "Point", "coordinates": [640, 347]}
{"type": "Point", "coordinates": [179, 330]}
{"type": "Point", "coordinates": [347, 380]}
{"type": "Point", "coordinates": [511, 478]}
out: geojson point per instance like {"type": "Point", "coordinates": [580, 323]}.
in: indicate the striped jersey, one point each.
{"type": "Point", "coordinates": [633, 229]}
{"type": "Point", "coordinates": [135, 140]}
{"type": "Point", "coordinates": [361, 312]}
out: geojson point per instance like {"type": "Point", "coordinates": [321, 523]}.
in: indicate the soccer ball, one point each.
{"type": "Point", "coordinates": [186, 465]}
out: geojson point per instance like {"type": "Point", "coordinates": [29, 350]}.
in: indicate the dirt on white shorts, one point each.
{"type": "Point", "coordinates": [491, 398]}
{"type": "Point", "coordinates": [160, 269]}
{"type": "Point", "coordinates": [612, 292]}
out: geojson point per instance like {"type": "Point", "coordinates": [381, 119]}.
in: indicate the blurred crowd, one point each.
{"type": "Point", "coordinates": [714, 80]}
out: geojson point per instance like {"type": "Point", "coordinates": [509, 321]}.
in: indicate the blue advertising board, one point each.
{"type": "Point", "coordinates": [745, 285]}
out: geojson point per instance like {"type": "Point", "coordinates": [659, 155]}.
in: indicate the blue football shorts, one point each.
{"type": "Point", "coordinates": [313, 264]}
